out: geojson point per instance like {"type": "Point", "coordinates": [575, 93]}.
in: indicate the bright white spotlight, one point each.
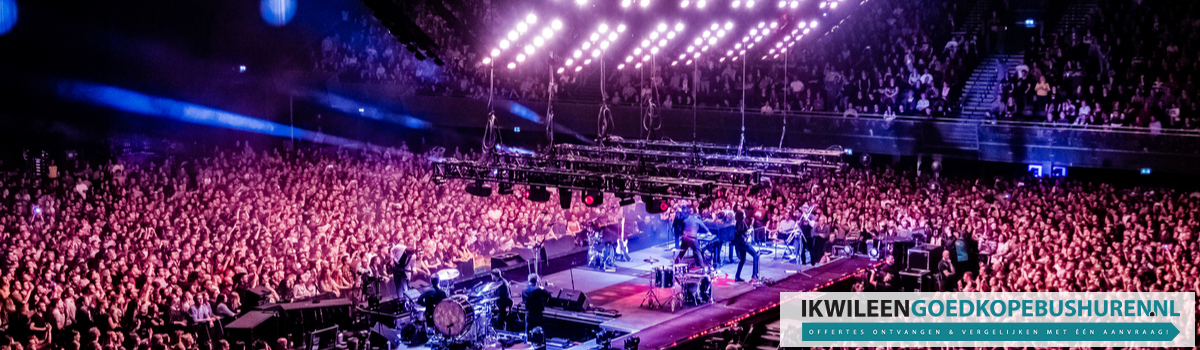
{"type": "Point", "coordinates": [560, 70]}
{"type": "Point", "coordinates": [771, 51]}
{"type": "Point", "coordinates": [603, 28]}
{"type": "Point", "coordinates": [766, 32]}
{"type": "Point", "coordinates": [735, 58]}
{"type": "Point", "coordinates": [646, 58]}
{"type": "Point", "coordinates": [595, 53]}
{"type": "Point", "coordinates": [801, 25]}
{"type": "Point", "coordinates": [487, 60]}
{"type": "Point", "coordinates": [626, 3]}
{"type": "Point", "coordinates": [604, 45]}
{"type": "Point", "coordinates": [645, 3]}
{"type": "Point", "coordinates": [529, 49]}
{"type": "Point", "coordinates": [712, 41]}
{"type": "Point", "coordinates": [662, 43]}
{"type": "Point", "coordinates": [512, 65]}
{"type": "Point", "coordinates": [581, 2]}
{"type": "Point", "coordinates": [653, 35]}
{"type": "Point", "coordinates": [612, 36]}
{"type": "Point", "coordinates": [701, 4]}
{"type": "Point", "coordinates": [570, 62]}
{"type": "Point", "coordinates": [698, 41]}
{"type": "Point", "coordinates": [795, 4]}
{"type": "Point", "coordinates": [743, 52]}
{"type": "Point", "coordinates": [691, 48]}
{"type": "Point", "coordinates": [628, 58]}
{"type": "Point", "coordinates": [736, 4]}
{"type": "Point", "coordinates": [833, 5]}
{"type": "Point", "coordinates": [594, 37]}
{"type": "Point", "coordinates": [822, 5]}
{"type": "Point", "coordinates": [538, 41]}
{"type": "Point", "coordinates": [504, 44]}
{"type": "Point", "coordinates": [639, 65]}
{"type": "Point", "coordinates": [750, 4]}
{"type": "Point", "coordinates": [705, 48]}
{"type": "Point", "coordinates": [662, 27]}
{"type": "Point", "coordinates": [645, 43]}
{"type": "Point", "coordinates": [557, 24]}
{"type": "Point", "coordinates": [587, 61]}
{"type": "Point", "coordinates": [778, 45]}
{"type": "Point", "coordinates": [782, 4]}
{"type": "Point", "coordinates": [745, 39]}
{"type": "Point", "coordinates": [812, 24]}
{"type": "Point", "coordinates": [522, 27]}
{"type": "Point", "coordinates": [753, 31]}
{"type": "Point", "coordinates": [637, 51]}
{"type": "Point", "coordinates": [512, 35]}
{"type": "Point", "coordinates": [578, 68]}
{"type": "Point", "coordinates": [730, 53]}
{"type": "Point", "coordinates": [531, 19]}
{"type": "Point", "coordinates": [707, 34]}
{"type": "Point", "coordinates": [521, 57]}
{"type": "Point", "coordinates": [587, 45]}
{"type": "Point", "coordinates": [654, 50]}
{"type": "Point", "coordinates": [774, 24]}
{"type": "Point", "coordinates": [751, 46]}
{"type": "Point", "coordinates": [673, 63]}
{"type": "Point", "coordinates": [806, 30]}
{"type": "Point", "coordinates": [685, 3]}
{"type": "Point", "coordinates": [689, 62]}
{"type": "Point", "coordinates": [722, 59]}
{"type": "Point", "coordinates": [679, 26]}
{"type": "Point", "coordinates": [547, 33]}
{"type": "Point", "coordinates": [721, 33]}
{"type": "Point", "coordinates": [762, 24]}
{"type": "Point", "coordinates": [577, 54]}
{"type": "Point", "coordinates": [728, 25]}
{"type": "Point", "coordinates": [697, 55]}
{"type": "Point", "coordinates": [682, 55]}
{"type": "Point", "coordinates": [495, 52]}
{"type": "Point", "coordinates": [671, 35]}
{"type": "Point", "coordinates": [620, 28]}
{"type": "Point", "coordinates": [621, 66]}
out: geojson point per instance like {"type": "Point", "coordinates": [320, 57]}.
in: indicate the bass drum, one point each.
{"type": "Point", "coordinates": [697, 291]}
{"type": "Point", "coordinates": [453, 317]}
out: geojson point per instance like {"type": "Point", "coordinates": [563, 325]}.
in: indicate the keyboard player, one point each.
{"type": "Point", "coordinates": [692, 228]}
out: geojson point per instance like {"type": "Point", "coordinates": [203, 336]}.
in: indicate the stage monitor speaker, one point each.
{"type": "Point", "coordinates": [900, 252]}
{"type": "Point", "coordinates": [254, 297]}
{"type": "Point", "coordinates": [507, 260]}
{"type": "Point", "coordinates": [655, 205]}
{"type": "Point", "coordinates": [252, 325]}
{"type": "Point", "coordinates": [571, 299]}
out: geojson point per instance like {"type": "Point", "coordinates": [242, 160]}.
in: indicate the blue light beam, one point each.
{"type": "Point", "coordinates": [278, 13]}
{"type": "Point", "coordinates": [8, 15]}
{"type": "Point", "coordinates": [135, 102]}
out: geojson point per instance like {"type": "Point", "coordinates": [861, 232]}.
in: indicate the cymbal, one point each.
{"type": "Point", "coordinates": [447, 274]}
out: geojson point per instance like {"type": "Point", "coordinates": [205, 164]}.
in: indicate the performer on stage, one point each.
{"type": "Point", "coordinates": [741, 242]}
{"type": "Point", "coordinates": [691, 228]}
{"type": "Point", "coordinates": [401, 256]}
{"type": "Point", "coordinates": [535, 298]}
{"type": "Point", "coordinates": [431, 298]}
{"type": "Point", "coordinates": [504, 301]}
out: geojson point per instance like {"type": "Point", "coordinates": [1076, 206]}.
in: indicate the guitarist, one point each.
{"type": "Point", "coordinates": [741, 242]}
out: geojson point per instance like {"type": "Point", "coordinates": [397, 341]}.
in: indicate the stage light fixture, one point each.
{"type": "Point", "coordinates": [522, 27]}
{"type": "Point", "coordinates": [728, 25]}
{"type": "Point", "coordinates": [701, 4]}
{"type": "Point", "coordinates": [671, 35]}
{"type": "Point", "coordinates": [646, 58]}
{"type": "Point", "coordinates": [620, 28]}
{"type": "Point", "coordinates": [628, 59]}
{"type": "Point", "coordinates": [564, 198]}
{"type": "Point", "coordinates": [547, 33]}
{"type": "Point", "coordinates": [621, 66]}
{"type": "Point", "coordinates": [674, 63]}
{"type": "Point", "coordinates": [587, 45]}
{"type": "Point", "coordinates": [678, 26]}
{"type": "Point", "coordinates": [581, 2]}
{"type": "Point", "coordinates": [654, 50]}
{"type": "Point", "coordinates": [653, 35]}
{"type": "Point", "coordinates": [487, 60]}
{"type": "Point", "coordinates": [595, 53]}
{"type": "Point", "coordinates": [639, 65]}
{"type": "Point", "coordinates": [782, 4]}
{"type": "Point", "coordinates": [822, 5]}
{"type": "Point", "coordinates": [604, 45]}
{"type": "Point", "coordinates": [626, 3]}
{"type": "Point", "coordinates": [689, 50]}
{"type": "Point", "coordinates": [529, 49]}
{"type": "Point", "coordinates": [587, 61]}
{"type": "Point", "coordinates": [645, 3]}
{"type": "Point", "coordinates": [521, 57]}
{"type": "Point", "coordinates": [479, 189]}
{"type": "Point", "coordinates": [750, 4]}
{"type": "Point", "coordinates": [697, 55]}
{"type": "Point", "coordinates": [662, 27]}
{"type": "Point", "coordinates": [594, 37]}
{"type": "Point", "coordinates": [626, 199]}
{"type": "Point", "coordinates": [538, 194]}
{"type": "Point", "coordinates": [684, 4]}
{"type": "Point", "coordinates": [833, 5]}
{"type": "Point", "coordinates": [512, 65]}
{"type": "Point", "coordinates": [531, 19]}
{"type": "Point", "coordinates": [774, 25]}
{"type": "Point", "coordinates": [655, 205]}
{"type": "Point", "coordinates": [706, 34]}
{"type": "Point", "coordinates": [712, 41]}
{"type": "Point", "coordinates": [736, 4]}
{"type": "Point", "coordinates": [538, 41]}
{"type": "Point", "coordinates": [560, 70]}
{"type": "Point", "coordinates": [812, 24]}
{"type": "Point", "coordinates": [689, 62]}
{"type": "Point", "coordinates": [766, 32]}
{"type": "Point", "coordinates": [753, 31]}
{"type": "Point", "coordinates": [504, 188]}
{"type": "Point", "coordinates": [593, 198]}
{"type": "Point", "coordinates": [578, 68]}
{"type": "Point", "coordinates": [612, 36]}
{"type": "Point", "coordinates": [662, 43]}
{"type": "Point", "coordinates": [645, 43]}
{"type": "Point", "coordinates": [556, 25]}
{"type": "Point", "coordinates": [577, 54]}
{"type": "Point", "coordinates": [512, 35]}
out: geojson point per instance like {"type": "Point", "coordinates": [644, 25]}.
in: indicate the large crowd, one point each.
{"type": "Point", "coordinates": [149, 256]}
{"type": "Point", "coordinates": [1133, 64]}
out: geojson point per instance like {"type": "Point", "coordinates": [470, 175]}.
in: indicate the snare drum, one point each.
{"type": "Point", "coordinates": [664, 277]}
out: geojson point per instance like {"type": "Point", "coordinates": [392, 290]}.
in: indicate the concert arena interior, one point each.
{"type": "Point", "coordinates": [576, 174]}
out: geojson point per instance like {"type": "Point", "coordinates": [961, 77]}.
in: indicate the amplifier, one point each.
{"type": "Point", "coordinates": [571, 299]}
{"type": "Point", "coordinates": [507, 260]}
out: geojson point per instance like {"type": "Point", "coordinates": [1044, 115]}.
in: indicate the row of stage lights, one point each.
{"type": "Point", "coordinates": [599, 41]}
{"type": "Point", "coordinates": [590, 198]}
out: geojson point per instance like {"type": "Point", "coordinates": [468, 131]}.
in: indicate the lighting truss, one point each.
{"type": "Point", "coordinates": [768, 161]}
{"type": "Point", "coordinates": [573, 178]}
{"type": "Point", "coordinates": [654, 164]}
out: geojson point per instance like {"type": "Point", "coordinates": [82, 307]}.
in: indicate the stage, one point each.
{"type": "Point", "coordinates": [623, 289]}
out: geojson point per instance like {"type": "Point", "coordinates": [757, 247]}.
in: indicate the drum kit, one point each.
{"type": "Point", "coordinates": [686, 289]}
{"type": "Point", "coordinates": [461, 320]}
